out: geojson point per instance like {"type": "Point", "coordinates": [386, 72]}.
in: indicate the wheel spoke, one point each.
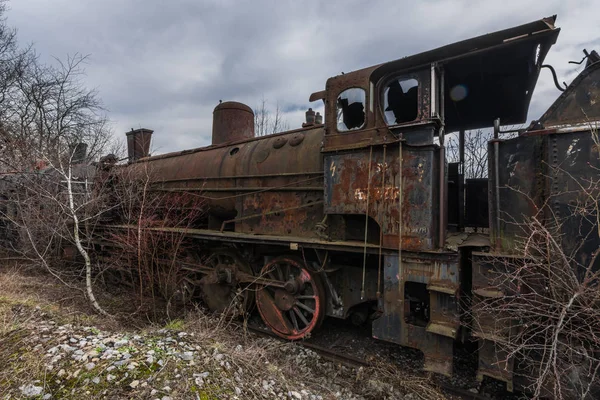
{"type": "Point", "coordinates": [306, 297]}
{"type": "Point", "coordinates": [271, 274]}
{"type": "Point", "coordinates": [294, 320]}
{"type": "Point", "coordinates": [305, 307]}
{"type": "Point", "coordinates": [280, 275]}
{"type": "Point", "coordinates": [302, 317]}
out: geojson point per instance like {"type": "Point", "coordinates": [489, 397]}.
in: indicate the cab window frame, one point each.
{"type": "Point", "coordinates": [337, 109]}
{"type": "Point", "coordinates": [401, 77]}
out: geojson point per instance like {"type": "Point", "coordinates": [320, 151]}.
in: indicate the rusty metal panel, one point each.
{"type": "Point", "coordinates": [495, 363]}
{"type": "Point", "coordinates": [436, 340]}
{"type": "Point", "coordinates": [281, 213]}
{"type": "Point", "coordinates": [521, 191]}
{"type": "Point", "coordinates": [544, 175]}
{"type": "Point", "coordinates": [574, 160]}
{"type": "Point", "coordinates": [348, 190]}
{"type": "Point", "coordinates": [263, 185]}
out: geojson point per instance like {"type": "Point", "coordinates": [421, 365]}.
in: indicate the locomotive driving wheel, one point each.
{"type": "Point", "coordinates": [296, 306]}
{"type": "Point", "coordinates": [222, 289]}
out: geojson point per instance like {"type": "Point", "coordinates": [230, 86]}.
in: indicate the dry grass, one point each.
{"type": "Point", "coordinates": [286, 368]}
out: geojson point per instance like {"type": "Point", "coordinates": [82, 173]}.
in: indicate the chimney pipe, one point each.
{"type": "Point", "coordinates": [138, 143]}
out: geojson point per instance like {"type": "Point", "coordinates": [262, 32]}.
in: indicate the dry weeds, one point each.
{"type": "Point", "coordinates": [237, 363]}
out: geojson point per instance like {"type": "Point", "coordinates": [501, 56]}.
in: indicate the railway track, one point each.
{"type": "Point", "coordinates": [356, 362]}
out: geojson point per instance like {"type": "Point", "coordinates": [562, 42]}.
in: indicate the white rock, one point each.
{"type": "Point", "coordinates": [47, 396]}
{"type": "Point", "coordinates": [166, 398]}
{"type": "Point", "coordinates": [89, 366]}
{"type": "Point", "coordinates": [110, 377]}
{"type": "Point", "coordinates": [238, 391]}
{"type": "Point", "coordinates": [166, 389]}
{"type": "Point", "coordinates": [295, 395]}
{"type": "Point", "coordinates": [186, 356]}
{"type": "Point", "coordinates": [134, 384]}
{"type": "Point", "coordinates": [30, 390]}
{"type": "Point", "coordinates": [120, 343]}
{"type": "Point", "coordinates": [153, 392]}
{"type": "Point", "coordinates": [96, 380]}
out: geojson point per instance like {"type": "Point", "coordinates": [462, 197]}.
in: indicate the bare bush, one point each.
{"type": "Point", "coordinates": [149, 245]}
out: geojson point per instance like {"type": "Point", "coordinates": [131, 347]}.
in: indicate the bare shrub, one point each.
{"type": "Point", "coordinates": [149, 247]}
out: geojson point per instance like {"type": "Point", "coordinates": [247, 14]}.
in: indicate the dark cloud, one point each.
{"type": "Point", "coordinates": [165, 65]}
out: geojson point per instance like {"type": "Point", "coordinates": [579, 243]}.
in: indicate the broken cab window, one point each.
{"type": "Point", "coordinates": [351, 109]}
{"type": "Point", "coordinates": [401, 101]}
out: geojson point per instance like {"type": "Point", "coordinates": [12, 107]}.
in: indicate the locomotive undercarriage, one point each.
{"type": "Point", "coordinates": [417, 304]}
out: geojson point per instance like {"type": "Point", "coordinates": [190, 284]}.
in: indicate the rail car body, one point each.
{"type": "Point", "coordinates": [362, 216]}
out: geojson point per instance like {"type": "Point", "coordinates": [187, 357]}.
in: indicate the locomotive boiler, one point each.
{"type": "Point", "coordinates": [362, 216]}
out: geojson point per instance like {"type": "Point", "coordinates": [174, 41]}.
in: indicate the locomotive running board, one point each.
{"type": "Point", "coordinates": [289, 241]}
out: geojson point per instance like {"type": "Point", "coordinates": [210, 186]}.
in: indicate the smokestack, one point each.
{"type": "Point", "coordinates": [138, 143]}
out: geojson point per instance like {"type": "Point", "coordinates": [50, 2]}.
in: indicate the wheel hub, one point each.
{"type": "Point", "coordinates": [284, 300]}
{"type": "Point", "coordinates": [291, 286]}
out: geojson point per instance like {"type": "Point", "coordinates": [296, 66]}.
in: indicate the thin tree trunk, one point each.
{"type": "Point", "coordinates": [81, 249]}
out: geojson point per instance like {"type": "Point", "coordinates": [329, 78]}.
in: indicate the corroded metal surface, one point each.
{"type": "Point", "coordinates": [436, 336]}
{"type": "Point", "coordinates": [232, 121]}
{"type": "Point", "coordinates": [258, 186]}
{"type": "Point", "coordinates": [138, 143]}
{"type": "Point", "coordinates": [350, 180]}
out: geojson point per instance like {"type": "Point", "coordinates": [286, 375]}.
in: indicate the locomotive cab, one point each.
{"type": "Point", "coordinates": [389, 186]}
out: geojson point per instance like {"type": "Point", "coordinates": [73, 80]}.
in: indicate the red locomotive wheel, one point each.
{"type": "Point", "coordinates": [295, 310]}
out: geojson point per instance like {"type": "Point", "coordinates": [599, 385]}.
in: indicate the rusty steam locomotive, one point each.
{"type": "Point", "coordinates": [362, 216]}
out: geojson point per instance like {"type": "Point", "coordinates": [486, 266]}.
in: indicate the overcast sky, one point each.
{"type": "Point", "coordinates": [165, 65]}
